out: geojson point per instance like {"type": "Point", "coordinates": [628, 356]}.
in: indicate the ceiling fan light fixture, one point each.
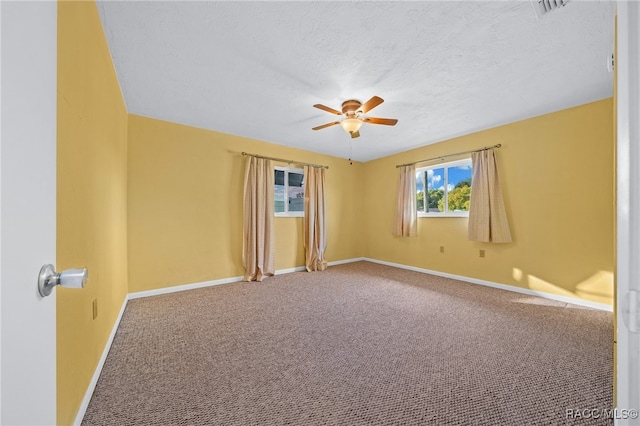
{"type": "Point", "coordinates": [351, 124]}
{"type": "Point", "coordinates": [353, 112]}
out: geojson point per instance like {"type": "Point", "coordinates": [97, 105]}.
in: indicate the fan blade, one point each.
{"type": "Point", "coordinates": [354, 134]}
{"type": "Point", "coordinates": [326, 125]}
{"type": "Point", "coordinates": [371, 104]}
{"type": "Point", "coordinates": [385, 121]}
{"type": "Point", "coordinates": [326, 108]}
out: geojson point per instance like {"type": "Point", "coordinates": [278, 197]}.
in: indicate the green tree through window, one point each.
{"type": "Point", "coordinates": [447, 183]}
{"type": "Point", "coordinates": [436, 199]}
{"type": "Point", "coordinates": [458, 197]}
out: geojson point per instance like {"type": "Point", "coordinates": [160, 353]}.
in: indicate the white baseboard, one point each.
{"type": "Point", "coordinates": [96, 374]}
{"type": "Point", "coordinates": [341, 262]}
{"type": "Point", "coordinates": [174, 289]}
{"type": "Point", "coordinates": [527, 291]}
{"type": "Point", "coordinates": [333, 263]}
{"type": "Point", "coordinates": [290, 270]}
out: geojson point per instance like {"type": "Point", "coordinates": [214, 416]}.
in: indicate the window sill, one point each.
{"type": "Point", "coordinates": [301, 214]}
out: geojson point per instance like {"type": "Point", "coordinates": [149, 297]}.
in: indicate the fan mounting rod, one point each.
{"type": "Point", "coordinates": [350, 108]}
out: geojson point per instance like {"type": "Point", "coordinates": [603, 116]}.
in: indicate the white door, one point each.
{"type": "Point", "coordinates": [27, 211]}
{"type": "Point", "coordinates": [628, 215]}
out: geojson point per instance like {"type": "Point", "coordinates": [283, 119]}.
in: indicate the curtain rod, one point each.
{"type": "Point", "coordinates": [449, 155]}
{"type": "Point", "coordinates": [285, 161]}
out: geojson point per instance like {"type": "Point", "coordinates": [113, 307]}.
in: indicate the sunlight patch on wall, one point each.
{"type": "Point", "coordinates": [517, 274]}
{"type": "Point", "coordinates": [597, 288]}
{"type": "Point", "coordinates": [539, 284]}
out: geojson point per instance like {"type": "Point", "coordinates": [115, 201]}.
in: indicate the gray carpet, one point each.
{"type": "Point", "coordinates": [358, 344]}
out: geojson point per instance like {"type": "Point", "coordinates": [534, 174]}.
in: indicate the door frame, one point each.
{"type": "Point", "coordinates": [628, 208]}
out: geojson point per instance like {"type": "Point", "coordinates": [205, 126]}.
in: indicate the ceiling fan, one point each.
{"type": "Point", "coordinates": [354, 111]}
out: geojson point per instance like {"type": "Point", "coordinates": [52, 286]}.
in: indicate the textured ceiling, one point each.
{"type": "Point", "coordinates": [444, 69]}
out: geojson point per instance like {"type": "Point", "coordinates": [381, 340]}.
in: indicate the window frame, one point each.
{"type": "Point", "coordinates": [286, 171]}
{"type": "Point", "coordinates": [445, 166]}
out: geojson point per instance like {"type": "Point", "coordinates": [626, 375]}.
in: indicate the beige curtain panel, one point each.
{"type": "Point", "coordinates": [406, 213]}
{"type": "Point", "coordinates": [258, 242]}
{"type": "Point", "coordinates": [315, 230]}
{"type": "Point", "coordinates": [487, 216]}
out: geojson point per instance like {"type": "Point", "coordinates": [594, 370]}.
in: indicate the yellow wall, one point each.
{"type": "Point", "coordinates": [185, 205]}
{"type": "Point", "coordinates": [91, 199]}
{"type": "Point", "coordinates": [557, 177]}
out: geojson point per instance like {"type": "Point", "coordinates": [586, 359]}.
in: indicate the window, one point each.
{"type": "Point", "coordinates": [289, 192]}
{"type": "Point", "coordinates": [444, 189]}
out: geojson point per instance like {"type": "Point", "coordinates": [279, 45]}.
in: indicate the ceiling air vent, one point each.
{"type": "Point", "coordinates": [542, 7]}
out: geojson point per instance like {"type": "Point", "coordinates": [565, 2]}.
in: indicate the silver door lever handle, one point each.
{"type": "Point", "coordinates": [71, 278]}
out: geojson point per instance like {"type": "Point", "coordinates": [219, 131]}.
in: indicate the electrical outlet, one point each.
{"type": "Point", "coordinates": [95, 308]}
{"type": "Point", "coordinates": [441, 249]}
{"type": "Point", "coordinates": [481, 253]}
